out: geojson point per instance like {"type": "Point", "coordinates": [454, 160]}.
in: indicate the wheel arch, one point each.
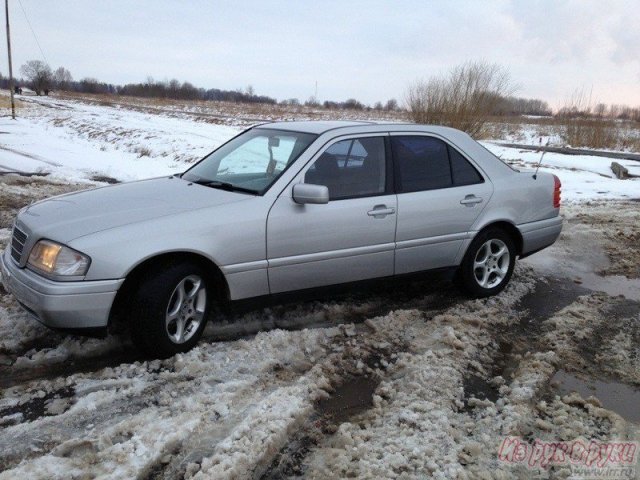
{"type": "Point", "coordinates": [506, 226]}
{"type": "Point", "coordinates": [145, 266]}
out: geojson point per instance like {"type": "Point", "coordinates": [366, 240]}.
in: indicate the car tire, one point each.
{"type": "Point", "coordinates": [488, 264]}
{"type": "Point", "coordinates": [170, 309]}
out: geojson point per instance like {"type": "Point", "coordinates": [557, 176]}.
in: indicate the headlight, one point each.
{"type": "Point", "coordinates": [54, 259]}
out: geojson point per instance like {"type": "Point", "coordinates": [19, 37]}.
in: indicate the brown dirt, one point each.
{"type": "Point", "coordinates": [620, 228]}
{"type": "Point", "coordinates": [17, 192]}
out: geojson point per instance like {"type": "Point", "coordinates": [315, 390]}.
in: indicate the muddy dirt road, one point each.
{"type": "Point", "coordinates": [402, 381]}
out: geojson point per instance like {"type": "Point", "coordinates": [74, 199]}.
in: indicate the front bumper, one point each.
{"type": "Point", "coordinates": [64, 305]}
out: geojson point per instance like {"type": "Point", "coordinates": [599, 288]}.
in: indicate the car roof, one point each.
{"type": "Point", "coordinates": [318, 127]}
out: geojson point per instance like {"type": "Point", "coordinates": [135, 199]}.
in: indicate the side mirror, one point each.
{"type": "Point", "coordinates": [309, 193]}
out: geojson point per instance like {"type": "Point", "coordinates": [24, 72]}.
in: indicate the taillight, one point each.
{"type": "Point", "coordinates": [556, 192]}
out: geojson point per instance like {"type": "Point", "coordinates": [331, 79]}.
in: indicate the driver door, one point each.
{"type": "Point", "coordinates": [348, 239]}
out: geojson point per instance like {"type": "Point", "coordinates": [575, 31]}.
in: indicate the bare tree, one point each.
{"type": "Point", "coordinates": [463, 99]}
{"type": "Point", "coordinates": [599, 110]}
{"type": "Point", "coordinates": [312, 101]}
{"type": "Point", "coordinates": [174, 87]}
{"type": "Point", "coordinates": [38, 74]}
{"type": "Point", "coordinates": [391, 105]}
{"type": "Point", "coordinates": [62, 78]}
{"type": "Point", "coordinates": [582, 125]}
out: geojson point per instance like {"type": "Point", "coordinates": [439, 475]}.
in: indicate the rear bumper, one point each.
{"type": "Point", "coordinates": [63, 305]}
{"type": "Point", "coordinates": [540, 234]}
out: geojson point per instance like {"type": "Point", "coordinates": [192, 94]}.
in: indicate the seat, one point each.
{"type": "Point", "coordinates": [325, 171]}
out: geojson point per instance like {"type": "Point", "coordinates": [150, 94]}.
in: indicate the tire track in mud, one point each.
{"type": "Point", "coordinates": [10, 377]}
{"type": "Point", "coordinates": [361, 352]}
{"type": "Point", "coordinates": [222, 405]}
{"type": "Point", "coordinates": [403, 333]}
{"type": "Point", "coordinates": [549, 296]}
{"type": "Point", "coordinates": [510, 405]}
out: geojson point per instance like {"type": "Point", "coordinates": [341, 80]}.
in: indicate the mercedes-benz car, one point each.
{"type": "Point", "coordinates": [281, 207]}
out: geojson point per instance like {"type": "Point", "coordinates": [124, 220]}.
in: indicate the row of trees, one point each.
{"type": "Point", "coordinates": [350, 104]}
{"type": "Point", "coordinates": [465, 98]}
{"type": "Point", "coordinates": [41, 78]}
{"type": "Point", "coordinates": [514, 106]}
{"type": "Point", "coordinates": [580, 106]}
{"type": "Point", "coordinates": [38, 76]}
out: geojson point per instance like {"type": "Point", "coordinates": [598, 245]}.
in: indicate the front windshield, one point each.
{"type": "Point", "coordinates": [251, 161]}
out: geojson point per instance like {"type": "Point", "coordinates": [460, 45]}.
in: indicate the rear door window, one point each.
{"type": "Point", "coordinates": [422, 163]}
{"type": "Point", "coordinates": [428, 163]}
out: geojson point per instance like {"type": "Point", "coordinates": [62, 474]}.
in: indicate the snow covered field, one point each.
{"type": "Point", "coordinates": [77, 141]}
{"type": "Point", "coordinates": [403, 381]}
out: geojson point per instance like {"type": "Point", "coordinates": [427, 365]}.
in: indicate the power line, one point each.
{"type": "Point", "coordinates": [33, 32]}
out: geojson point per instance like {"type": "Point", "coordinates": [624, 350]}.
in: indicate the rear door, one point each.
{"type": "Point", "coordinates": [350, 238]}
{"type": "Point", "coordinates": [440, 195]}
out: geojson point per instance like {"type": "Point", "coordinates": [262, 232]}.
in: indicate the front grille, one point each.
{"type": "Point", "coordinates": [17, 244]}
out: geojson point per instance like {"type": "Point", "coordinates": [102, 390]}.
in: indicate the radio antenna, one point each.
{"type": "Point", "coordinates": [544, 150]}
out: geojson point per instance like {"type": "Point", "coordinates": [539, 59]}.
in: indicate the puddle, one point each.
{"type": "Point", "coordinates": [548, 298]}
{"type": "Point", "coordinates": [477, 387]}
{"type": "Point", "coordinates": [579, 260]}
{"type": "Point", "coordinates": [37, 406]}
{"type": "Point", "coordinates": [354, 396]}
{"type": "Point", "coordinates": [613, 285]}
{"type": "Point", "coordinates": [618, 397]}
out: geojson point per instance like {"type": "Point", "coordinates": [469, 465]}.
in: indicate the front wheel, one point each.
{"type": "Point", "coordinates": [171, 309]}
{"type": "Point", "coordinates": [488, 264]}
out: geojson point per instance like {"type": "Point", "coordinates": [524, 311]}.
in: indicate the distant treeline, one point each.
{"type": "Point", "coordinates": [513, 106]}
{"type": "Point", "coordinates": [172, 89]}
{"type": "Point", "coordinates": [40, 78]}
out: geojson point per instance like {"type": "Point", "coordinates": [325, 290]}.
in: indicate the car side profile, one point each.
{"type": "Point", "coordinates": [279, 208]}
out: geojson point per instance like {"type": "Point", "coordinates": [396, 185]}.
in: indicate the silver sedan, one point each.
{"type": "Point", "coordinates": [279, 208]}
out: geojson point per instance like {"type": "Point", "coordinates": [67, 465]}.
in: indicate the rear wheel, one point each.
{"type": "Point", "coordinates": [488, 264]}
{"type": "Point", "coordinates": [171, 308]}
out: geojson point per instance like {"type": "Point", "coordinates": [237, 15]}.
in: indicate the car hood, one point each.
{"type": "Point", "coordinates": [67, 217]}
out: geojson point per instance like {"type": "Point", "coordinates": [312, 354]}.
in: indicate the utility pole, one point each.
{"type": "Point", "coordinates": [11, 86]}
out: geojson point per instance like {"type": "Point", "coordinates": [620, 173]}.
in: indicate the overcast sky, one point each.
{"type": "Point", "coordinates": [370, 50]}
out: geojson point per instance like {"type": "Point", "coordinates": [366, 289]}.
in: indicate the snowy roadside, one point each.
{"type": "Point", "coordinates": [73, 141]}
{"type": "Point", "coordinates": [583, 177]}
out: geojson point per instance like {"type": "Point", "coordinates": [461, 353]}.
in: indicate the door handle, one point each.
{"type": "Point", "coordinates": [470, 200]}
{"type": "Point", "coordinates": [381, 211]}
